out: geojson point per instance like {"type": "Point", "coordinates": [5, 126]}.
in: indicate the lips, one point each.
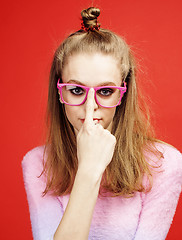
{"type": "Point", "coordinates": [94, 119]}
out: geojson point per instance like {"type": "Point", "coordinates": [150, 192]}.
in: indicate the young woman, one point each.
{"type": "Point", "coordinates": [101, 174]}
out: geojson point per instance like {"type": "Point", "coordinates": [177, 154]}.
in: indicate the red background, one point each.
{"type": "Point", "coordinates": [30, 31]}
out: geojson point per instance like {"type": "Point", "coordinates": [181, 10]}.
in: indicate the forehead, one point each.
{"type": "Point", "coordinates": [92, 69]}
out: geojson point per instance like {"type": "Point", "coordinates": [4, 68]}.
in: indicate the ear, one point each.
{"type": "Point", "coordinates": [60, 97]}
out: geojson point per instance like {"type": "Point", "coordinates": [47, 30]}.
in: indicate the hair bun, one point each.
{"type": "Point", "coordinates": [89, 17]}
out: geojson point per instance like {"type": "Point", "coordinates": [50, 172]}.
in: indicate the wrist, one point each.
{"type": "Point", "coordinates": [88, 176]}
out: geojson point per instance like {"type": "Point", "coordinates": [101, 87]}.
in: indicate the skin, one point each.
{"type": "Point", "coordinates": [92, 71]}
{"type": "Point", "coordinates": [95, 143]}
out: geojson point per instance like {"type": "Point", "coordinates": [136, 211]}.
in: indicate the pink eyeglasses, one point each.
{"type": "Point", "coordinates": [105, 96]}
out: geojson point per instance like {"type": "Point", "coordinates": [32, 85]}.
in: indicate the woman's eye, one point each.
{"type": "Point", "coordinates": [105, 91]}
{"type": "Point", "coordinates": [77, 91]}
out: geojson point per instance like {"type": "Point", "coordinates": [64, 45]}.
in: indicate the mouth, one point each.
{"type": "Point", "coordinates": [94, 119]}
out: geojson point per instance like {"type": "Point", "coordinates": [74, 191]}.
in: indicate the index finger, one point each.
{"type": "Point", "coordinates": [90, 107]}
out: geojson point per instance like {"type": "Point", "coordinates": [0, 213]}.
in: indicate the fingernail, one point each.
{"type": "Point", "coordinates": [96, 122]}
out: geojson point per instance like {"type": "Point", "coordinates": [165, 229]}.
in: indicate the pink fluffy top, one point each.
{"type": "Point", "coordinates": [146, 216]}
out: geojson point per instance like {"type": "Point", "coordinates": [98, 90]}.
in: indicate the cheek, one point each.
{"type": "Point", "coordinates": [72, 113]}
{"type": "Point", "coordinates": [69, 113]}
{"type": "Point", "coordinates": [110, 113]}
{"type": "Point", "coordinates": [108, 117]}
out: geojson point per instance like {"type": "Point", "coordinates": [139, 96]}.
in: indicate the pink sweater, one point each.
{"type": "Point", "coordinates": [142, 217]}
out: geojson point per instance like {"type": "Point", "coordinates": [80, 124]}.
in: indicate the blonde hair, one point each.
{"type": "Point", "coordinates": [131, 127]}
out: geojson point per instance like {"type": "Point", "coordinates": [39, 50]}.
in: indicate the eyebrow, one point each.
{"type": "Point", "coordinates": [99, 85]}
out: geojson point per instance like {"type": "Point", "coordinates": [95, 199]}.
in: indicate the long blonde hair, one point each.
{"type": "Point", "coordinates": [131, 127]}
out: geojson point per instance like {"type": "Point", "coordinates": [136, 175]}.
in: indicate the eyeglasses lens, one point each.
{"type": "Point", "coordinates": [108, 97]}
{"type": "Point", "coordinates": [73, 95]}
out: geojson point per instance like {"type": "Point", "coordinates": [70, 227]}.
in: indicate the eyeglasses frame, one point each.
{"type": "Point", "coordinates": [61, 85]}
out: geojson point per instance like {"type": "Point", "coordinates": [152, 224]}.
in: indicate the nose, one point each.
{"type": "Point", "coordinates": [91, 99]}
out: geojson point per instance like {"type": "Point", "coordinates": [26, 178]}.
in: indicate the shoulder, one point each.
{"type": "Point", "coordinates": [172, 158]}
{"type": "Point", "coordinates": [36, 152]}
{"type": "Point", "coordinates": [33, 160]}
{"type": "Point", "coordinates": [170, 165]}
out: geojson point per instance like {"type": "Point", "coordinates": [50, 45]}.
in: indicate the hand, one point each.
{"type": "Point", "coordinates": [95, 145]}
